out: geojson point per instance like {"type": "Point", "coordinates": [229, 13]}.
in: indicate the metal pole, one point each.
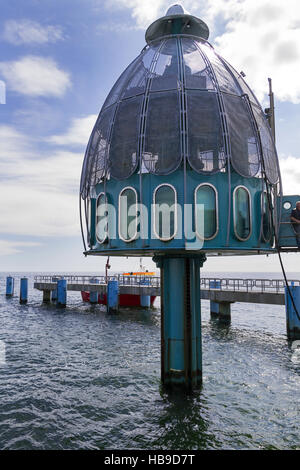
{"type": "Point", "coordinates": [272, 109]}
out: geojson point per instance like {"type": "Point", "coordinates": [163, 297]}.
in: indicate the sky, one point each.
{"type": "Point", "coordinates": [59, 60]}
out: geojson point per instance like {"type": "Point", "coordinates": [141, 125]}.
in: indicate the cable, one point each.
{"type": "Point", "coordinates": [277, 242]}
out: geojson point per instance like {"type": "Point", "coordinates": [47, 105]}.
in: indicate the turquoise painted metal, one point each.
{"type": "Point", "coordinates": [10, 282]}
{"type": "Point", "coordinates": [292, 320]}
{"type": "Point", "coordinates": [112, 296]}
{"type": "Point", "coordinates": [181, 320]}
{"type": "Point", "coordinates": [287, 235]}
{"type": "Point", "coordinates": [61, 292]}
{"type": "Point", "coordinates": [23, 290]}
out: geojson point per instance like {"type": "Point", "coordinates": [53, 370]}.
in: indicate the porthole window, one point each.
{"type": "Point", "coordinates": [165, 212]}
{"type": "Point", "coordinates": [266, 218]}
{"type": "Point", "coordinates": [101, 219]}
{"type": "Point", "coordinates": [206, 211]}
{"type": "Point", "coordinates": [90, 220]}
{"type": "Point", "coordinates": [287, 205]}
{"type": "Point", "coordinates": [128, 214]}
{"type": "Point", "coordinates": [242, 213]}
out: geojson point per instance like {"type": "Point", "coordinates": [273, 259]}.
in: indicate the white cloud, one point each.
{"type": "Point", "coordinates": [8, 247]}
{"type": "Point", "coordinates": [78, 133]}
{"type": "Point", "coordinates": [40, 190]}
{"type": "Point", "coordinates": [260, 38]}
{"type": "Point", "coordinates": [35, 76]}
{"type": "Point", "coordinates": [30, 32]}
{"type": "Point", "coordinates": [290, 173]}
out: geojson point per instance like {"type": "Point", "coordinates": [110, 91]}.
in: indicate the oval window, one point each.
{"type": "Point", "coordinates": [266, 218]}
{"type": "Point", "coordinates": [206, 211]}
{"type": "Point", "coordinates": [128, 214]}
{"type": "Point", "coordinates": [101, 219]}
{"type": "Point", "coordinates": [242, 213]}
{"type": "Point", "coordinates": [165, 212]}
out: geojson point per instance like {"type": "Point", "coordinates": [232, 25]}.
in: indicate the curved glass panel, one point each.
{"type": "Point", "coordinates": [268, 147]}
{"type": "Point", "coordinates": [165, 212]}
{"type": "Point", "coordinates": [206, 201]}
{"type": "Point", "coordinates": [118, 87]}
{"type": "Point", "coordinates": [128, 214]}
{"type": "Point", "coordinates": [242, 213]}
{"type": "Point", "coordinates": [245, 154]}
{"type": "Point", "coordinates": [206, 151]}
{"type": "Point", "coordinates": [101, 219]}
{"type": "Point", "coordinates": [124, 140]}
{"type": "Point", "coordinates": [241, 82]}
{"type": "Point", "coordinates": [166, 72]}
{"type": "Point", "coordinates": [225, 80]}
{"type": "Point", "coordinates": [138, 81]}
{"type": "Point", "coordinates": [162, 153]}
{"type": "Point", "coordinates": [197, 74]}
{"type": "Point", "coordinates": [95, 159]}
{"type": "Point", "coordinates": [266, 218]}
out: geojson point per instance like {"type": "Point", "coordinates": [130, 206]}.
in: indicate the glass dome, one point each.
{"type": "Point", "coordinates": [179, 100]}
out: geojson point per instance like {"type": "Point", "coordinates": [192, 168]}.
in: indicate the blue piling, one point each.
{"type": "Point", "coordinates": [145, 300]}
{"type": "Point", "coordinates": [214, 306]}
{"type": "Point", "coordinates": [292, 320]}
{"type": "Point", "coordinates": [112, 296]}
{"type": "Point", "coordinates": [181, 339]}
{"type": "Point", "coordinates": [219, 310]}
{"type": "Point", "coordinates": [10, 282]}
{"type": "Point", "coordinates": [54, 292]}
{"type": "Point", "coordinates": [94, 295]}
{"type": "Point", "coordinates": [62, 292]}
{"type": "Point", "coordinates": [23, 290]}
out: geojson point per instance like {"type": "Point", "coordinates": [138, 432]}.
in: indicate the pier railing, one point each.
{"type": "Point", "coordinates": [275, 286]}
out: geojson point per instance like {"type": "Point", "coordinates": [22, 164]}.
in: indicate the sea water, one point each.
{"type": "Point", "coordinates": [78, 378]}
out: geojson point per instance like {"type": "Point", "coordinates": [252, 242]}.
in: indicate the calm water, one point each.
{"type": "Point", "coordinates": [79, 378]}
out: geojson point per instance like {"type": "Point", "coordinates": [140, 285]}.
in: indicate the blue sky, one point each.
{"type": "Point", "coordinates": [59, 59]}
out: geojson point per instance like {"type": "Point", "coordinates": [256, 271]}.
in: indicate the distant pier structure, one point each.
{"type": "Point", "coordinates": [181, 165]}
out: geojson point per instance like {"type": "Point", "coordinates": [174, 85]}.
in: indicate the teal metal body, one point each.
{"type": "Point", "coordinates": [287, 236]}
{"type": "Point", "coordinates": [225, 239]}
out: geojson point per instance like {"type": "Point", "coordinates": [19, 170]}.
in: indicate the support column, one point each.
{"type": "Point", "coordinates": [181, 348]}
{"type": "Point", "coordinates": [61, 292]}
{"type": "Point", "coordinates": [292, 320]}
{"type": "Point", "coordinates": [10, 282]}
{"type": "Point", "coordinates": [54, 292]}
{"type": "Point", "coordinates": [145, 299]}
{"type": "Point", "coordinates": [94, 294]}
{"type": "Point", "coordinates": [23, 290]}
{"type": "Point", "coordinates": [219, 310]}
{"type": "Point", "coordinates": [46, 296]}
{"type": "Point", "coordinates": [214, 306]}
{"type": "Point", "coordinates": [112, 296]}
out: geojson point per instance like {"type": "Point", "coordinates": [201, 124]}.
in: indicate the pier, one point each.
{"type": "Point", "coordinates": [265, 291]}
{"type": "Point", "coordinates": [221, 292]}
